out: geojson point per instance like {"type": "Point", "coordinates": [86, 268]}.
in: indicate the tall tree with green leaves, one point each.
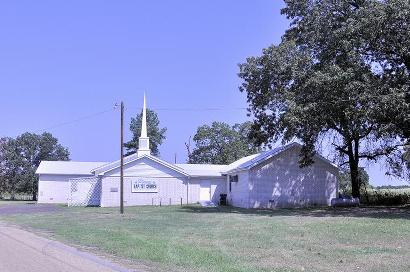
{"type": "Point", "coordinates": [156, 134]}
{"type": "Point", "coordinates": [22, 156]}
{"type": "Point", "coordinates": [33, 149]}
{"type": "Point", "coordinates": [319, 84]}
{"type": "Point", "coordinates": [378, 32]}
{"type": "Point", "coordinates": [221, 143]}
{"type": "Point", "coordinates": [3, 181]}
{"type": "Point", "coordinates": [11, 166]}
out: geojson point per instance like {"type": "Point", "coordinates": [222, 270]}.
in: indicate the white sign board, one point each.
{"type": "Point", "coordinates": [143, 186]}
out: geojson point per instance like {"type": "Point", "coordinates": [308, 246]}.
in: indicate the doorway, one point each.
{"type": "Point", "coordinates": [205, 191]}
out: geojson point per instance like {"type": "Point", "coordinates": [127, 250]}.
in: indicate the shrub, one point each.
{"type": "Point", "coordinates": [385, 197]}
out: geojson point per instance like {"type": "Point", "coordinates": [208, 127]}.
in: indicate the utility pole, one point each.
{"type": "Point", "coordinates": [122, 161]}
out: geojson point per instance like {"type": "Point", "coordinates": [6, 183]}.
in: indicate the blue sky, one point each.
{"type": "Point", "coordinates": [63, 60]}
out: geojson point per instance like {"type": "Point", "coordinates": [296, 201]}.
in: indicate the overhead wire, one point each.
{"type": "Point", "coordinates": [76, 120]}
{"type": "Point", "coordinates": [90, 116]}
{"type": "Point", "coordinates": [193, 109]}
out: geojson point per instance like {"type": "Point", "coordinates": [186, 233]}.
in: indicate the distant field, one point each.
{"type": "Point", "coordinates": [398, 191]}
{"type": "Point", "coordinates": [386, 197]}
{"type": "Point", "coordinates": [192, 238]}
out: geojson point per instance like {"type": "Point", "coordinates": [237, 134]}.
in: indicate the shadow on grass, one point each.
{"type": "Point", "coordinates": [365, 212]}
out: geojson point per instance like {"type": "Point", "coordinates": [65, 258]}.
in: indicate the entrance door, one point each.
{"type": "Point", "coordinates": [205, 191]}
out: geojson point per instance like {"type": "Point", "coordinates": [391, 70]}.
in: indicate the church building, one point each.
{"type": "Point", "coordinates": [266, 180]}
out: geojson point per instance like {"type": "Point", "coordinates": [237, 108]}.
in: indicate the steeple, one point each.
{"type": "Point", "coordinates": [143, 147]}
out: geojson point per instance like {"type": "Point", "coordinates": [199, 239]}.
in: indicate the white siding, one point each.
{"type": "Point", "coordinates": [54, 188]}
{"type": "Point", "coordinates": [218, 187]}
{"type": "Point", "coordinates": [170, 191]}
{"type": "Point", "coordinates": [171, 185]}
{"type": "Point", "coordinates": [238, 196]}
{"type": "Point", "coordinates": [281, 181]}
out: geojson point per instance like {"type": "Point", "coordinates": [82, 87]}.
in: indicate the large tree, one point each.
{"type": "Point", "coordinates": [22, 156]}
{"type": "Point", "coordinates": [11, 166]}
{"type": "Point", "coordinates": [156, 134]}
{"type": "Point", "coordinates": [318, 84]}
{"type": "Point", "coordinates": [377, 31]}
{"type": "Point", "coordinates": [221, 143]}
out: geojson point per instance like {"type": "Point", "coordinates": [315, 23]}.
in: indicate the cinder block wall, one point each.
{"type": "Point", "coordinates": [280, 182]}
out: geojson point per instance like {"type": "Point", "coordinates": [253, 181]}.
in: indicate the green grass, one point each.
{"type": "Point", "coordinates": [199, 239]}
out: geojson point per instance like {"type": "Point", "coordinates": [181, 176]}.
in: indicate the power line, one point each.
{"type": "Point", "coordinates": [90, 116]}
{"type": "Point", "coordinates": [189, 109]}
{"type": "Point", "coordinates": [192, 109]}
{"type": "Point", "coordinates": [76, 120]}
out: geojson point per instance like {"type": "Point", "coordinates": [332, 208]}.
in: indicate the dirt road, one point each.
{"type": "Point", "coordinates": [22, 251]}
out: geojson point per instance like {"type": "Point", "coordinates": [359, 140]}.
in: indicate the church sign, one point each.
{"type": "Point", "coordinates": [143, 186]}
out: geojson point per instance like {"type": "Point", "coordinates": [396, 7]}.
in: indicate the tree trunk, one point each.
{"type": "Point", "coordinates": [34, 196]}
{"type": "Point", "coordinates": [34, 188]}
{"type": "Point", "coordinates": [353, 151]}
{"type": "Point", "coordinates": [354, 175]}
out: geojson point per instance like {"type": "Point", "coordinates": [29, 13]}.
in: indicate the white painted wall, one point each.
{"type": "Point", "coordinates": [217, 184]}
{"type": "Point", "coordinates": [170, 191]}
{"type": "Point", "coordinates": [282, 180]}
{"type": "Point", "coordinates": [238, 196]}
{"type": "Point", "coordinates": [55, 188]}
{"type": "Point", "coordinates": [172, 186]}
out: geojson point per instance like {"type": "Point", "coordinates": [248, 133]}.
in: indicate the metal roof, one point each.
{"type": "Point", "coordinates": [194, 170]}
{"type": "Point", "coordinates": [67, 167]}
{"type": "Point", "coordinates": [253, 160]}
{"type": "Point", "coordinates": [203, 170]}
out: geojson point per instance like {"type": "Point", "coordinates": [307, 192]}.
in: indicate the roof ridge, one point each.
{"type": "Point", "coordinates": [134, 157]}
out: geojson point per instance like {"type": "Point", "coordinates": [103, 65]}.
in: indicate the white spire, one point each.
{"type": "Point", "coordinates": [143, 146]}
{"type": "Point", "coordinates": [144, 120]}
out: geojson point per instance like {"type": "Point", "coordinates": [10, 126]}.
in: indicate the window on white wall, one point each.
{"type": "Point", "coordinates": [233, 178]}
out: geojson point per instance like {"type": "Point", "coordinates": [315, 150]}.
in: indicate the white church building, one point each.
{"type": "Point", "coordinates": [266, 180]}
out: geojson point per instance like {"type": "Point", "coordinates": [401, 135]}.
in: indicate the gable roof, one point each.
{"type": "Point", "coordinates": [132, 158]}
{"type": "Point", "coordinates": [203, 170]}
{"type": "Point", "coordinates": [253, 160]}
{"type": "Point", "coordinates": [67, 167]}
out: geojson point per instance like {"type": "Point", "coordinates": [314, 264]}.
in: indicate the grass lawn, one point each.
{"type": "Point", "coordinates": [192, 238]}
